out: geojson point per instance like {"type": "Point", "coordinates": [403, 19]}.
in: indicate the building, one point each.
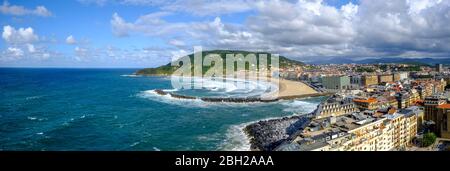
{"type": "Point", "coordinates": [442, 121]}
{"type": "Point", "coordinates": [368, 80]}
{"type": "Point", "coordinates": [385, 78]}
{"type": "Point", "coordinates": [356, 132]}
{"type": "Point", "coordinates": [414, 110]}
{"type": "Point", "coordinates": [430, 104]}
{"type": "Point", "coordinates": [336, 82]}
{"type": "Point", "coordinates": [400, 76]}
{"type": "Point", "coordinates": [439, 68]}
{"type": "Point", "coordinates": [356, 81]}
{"type": "Point", "coordinates": [335, 106]}
{"type": "Point", "coordinates": [366, 103]}
{"type": "Point", "coordinates": [403, 100]}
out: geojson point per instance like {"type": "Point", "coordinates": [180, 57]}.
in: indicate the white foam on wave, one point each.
{"type": "Point", "coordinates": [236, 139]}
{"type": "Point", "coordinates": [135, 143]}
{"type": "Point", "coordinates": [33, 97]}
{"type": "Point", "coordinates": [130, 75]}
{"type": "Point", "coordinates": [299, 106]}
{"type": "Point", "coordinates": [152, 95]}
{"type": "Point", "coordinates": [229, 87]}
{"type": "Point", "coordinates": [31, 118]}
{"type": "Point", "coordinates": [170, 90]}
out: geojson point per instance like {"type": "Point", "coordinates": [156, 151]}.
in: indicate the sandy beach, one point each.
{"type": "Point", "coordinates": [292, 89]}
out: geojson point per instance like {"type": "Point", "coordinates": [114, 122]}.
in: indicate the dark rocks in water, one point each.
{"type": "Point", "coordinates": [268, 134]}
{"type": "Point", "coordinates": [160, 92]}
{"type": "Point", "coordinates": [181, 96]}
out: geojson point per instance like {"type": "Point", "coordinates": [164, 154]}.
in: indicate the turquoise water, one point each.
{"type": "Point", "coordinates": [104, 109]}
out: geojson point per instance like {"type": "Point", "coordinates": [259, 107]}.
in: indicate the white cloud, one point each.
{"type": "Point", "coordinates": [70, 40]}
{"type": "Point", "coordinates": [21, 35]}
{"type": "Point", "coordinates": [15, 52]}
{"type": "Point", "coordinates": [119, 26]}
{"type": "Point", "coordinates": [31, 48]}
{"type": "Point", "coordinates": [80, 51]}
{"type": "Point", "coordinates": [396, 30]}
{"type": "Point", "coordinates": [23, 44]}
{"type": "Point", "coordinates": [17, 10]}
{"type": "Point", "coordinates": [210, 7]}
{"type": "Point", "coordinates": [195, 7]}
{"type": "Point", "coordinates": [177, 43]}
{"type": "Point", "coordinates": [151, 24]}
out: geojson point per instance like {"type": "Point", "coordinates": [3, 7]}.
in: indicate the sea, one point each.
{"type": "Point", "coordinates": [112, 110]}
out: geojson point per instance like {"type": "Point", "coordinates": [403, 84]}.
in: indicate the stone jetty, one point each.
{"type": "Point", "coordinates": [236, 99]}
{"type": "Point", "coordinates": [266, 135]}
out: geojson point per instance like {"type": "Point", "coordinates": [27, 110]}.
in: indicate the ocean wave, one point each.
{"type": "Point", "coordinates": [230, 87]}
{"type": "Point", "coordinates": [33, 118]}
{"type": "Point", "coordinates": [299, 106]}
{"type": "Point", "coordinates": [70, 122]}
{"type": "Point", "coordinates": [135, 143]}
{"type": "Point", "coordinates": [236, 139]}
{"type": "Point", "coordinates": [168, 99]}
{"type": "Point", "coordinates": [33, 97]}
{"type": "Point", "coordinates": [130, 75]}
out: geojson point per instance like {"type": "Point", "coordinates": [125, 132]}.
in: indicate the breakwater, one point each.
{"type": "Point", "coordinates": [238, 99]}
{"type": "Point", "coordinates": [266, 135]}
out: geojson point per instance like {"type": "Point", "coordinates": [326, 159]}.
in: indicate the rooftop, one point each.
{"type": "Point", "coordinates": [369, 100]}
{"type": "Point", "coordinates": [444, 106]}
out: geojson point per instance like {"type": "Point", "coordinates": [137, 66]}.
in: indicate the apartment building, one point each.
{"type": "Point", "coordinates": [368, 80]}
{"type": "Point", "coordinates": [336, 82]}
{"type": "Point", "coordinates": [335, 106]}
{"type": "Point", "coordinates": [366, 103]}
{"type": "Point", "coordinates": [385, 78]}
{"type": "Point", "coordinates": [357, 132]}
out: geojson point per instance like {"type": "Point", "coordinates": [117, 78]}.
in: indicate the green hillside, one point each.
{"type": "Point", "coordinates": [168, 69]}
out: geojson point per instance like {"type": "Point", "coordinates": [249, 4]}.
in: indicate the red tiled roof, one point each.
{"type": "Point", "coordinates": [444, 106]}
{"type": "Point", "coordinates": [370, 100]}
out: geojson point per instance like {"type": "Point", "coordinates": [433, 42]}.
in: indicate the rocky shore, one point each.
{"type": "Point", "coordinates": [266, 135]}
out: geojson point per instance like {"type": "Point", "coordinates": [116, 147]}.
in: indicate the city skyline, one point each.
{"type": "Point", "coordinates": [147, 33]}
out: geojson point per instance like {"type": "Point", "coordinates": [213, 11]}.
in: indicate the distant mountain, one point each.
{"type": "Point", "coordinates": [169, 69]}
{"type": "Point", "coordinates": [418, 61]}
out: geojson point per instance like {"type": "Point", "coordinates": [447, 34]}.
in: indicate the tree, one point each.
{"type": "Point", "coordinates": [428, 139]}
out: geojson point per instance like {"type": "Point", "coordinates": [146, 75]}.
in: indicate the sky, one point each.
{"type": "Point", "coordinates": [149, 33]}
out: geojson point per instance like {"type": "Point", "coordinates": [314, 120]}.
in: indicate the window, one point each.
{"type": "Point", "coordinates": [444, 123]}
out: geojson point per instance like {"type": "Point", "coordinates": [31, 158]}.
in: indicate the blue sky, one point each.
{"type": "Point", "coordinates": [148, 33]}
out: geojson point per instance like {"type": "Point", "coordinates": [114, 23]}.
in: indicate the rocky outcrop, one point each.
{"type": "Point", "coordinates": [160, 92]}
